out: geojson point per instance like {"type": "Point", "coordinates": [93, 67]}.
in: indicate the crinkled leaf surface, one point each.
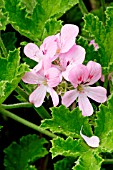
{"type": "Point", "coordinates": [67, 122]}
{"type": "Point", "coordinates": [66, 163]}
{"type": "Point", "coordinates": [68, 147]}
{"type": "Point", "coordinates": [32, 22]}
{"type": "Point", "coordinates": [19, 156]}
{"type": "Point", "coordinates": [11, 72]}
{"type": "Point", "coordinates": [88, 161]}
{"type": "Point", "coordinates": [103, 35]}
{"type": "Point", "coordinates": [3, 16]}
{"type": "Point", "coordinates": [91, 54]}
{"type": "Point", "coordinates": [104, 126]}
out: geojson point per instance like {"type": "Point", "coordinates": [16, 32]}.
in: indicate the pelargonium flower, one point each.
{"type": "Point", "coordinates": [81, 77]}
{"type": "Point", "coordinates": [46, 50]}
{"type": "Point", "coordinates": [46, 81]}
{"type": "Point", "coordinates": [66, 38]}
{"type": "Point", "coordinates": [96, 47]}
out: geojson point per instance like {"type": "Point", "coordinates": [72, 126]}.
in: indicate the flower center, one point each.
{"type": "Point", "coordinates": [44, 82]}
{"type": "Point", "coordinates": [80, 88]}
{"type": "Point", "coordinates": [58, 51]}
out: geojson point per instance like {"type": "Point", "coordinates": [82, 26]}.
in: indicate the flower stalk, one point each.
{"type": "Point", "coordinates": [40, 110]}
{"type": "Point", "coordinates": [83, 7]}
{"type": "Point", "coordinates": [25, 122]}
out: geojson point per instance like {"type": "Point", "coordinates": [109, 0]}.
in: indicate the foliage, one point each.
{"type": "Point", "coordinates": [20, 156]}
{"type": "Point", "coordinates": [33, 21]}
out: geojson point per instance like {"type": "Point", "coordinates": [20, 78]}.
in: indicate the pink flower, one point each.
{"type": "Point", "coordinates": [46, 51]}
{"type": "Point", "coordinates": [74, 56]}
{"type": "Point", "coordinates": [96, 47]}
{"type": "Point", "coordinates": [92, 141]}
{"type": "Point", "coordinates": [66, 38]}
{"type": "Point", "coordinates": [81, 77]}
{"type": "Point", "coordinates": [45, 81]}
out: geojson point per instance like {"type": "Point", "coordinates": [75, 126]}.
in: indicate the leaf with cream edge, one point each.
{"type": "Point", "coordinates": [88, 160]}
{"type": "Point", "coordinates": [67, 122]}
{"type": "Point", "coordinates": [3, 16]}
{"type": "Point", "coordinates": [39, 16]}
{"type": "Point", "coordinates": [11, 72]}
{"type": "Point", "coordinates": [103, 35]}
{"type": "Point", "coordinates": [104, 125]}
{"type": "Point", "coordinates": [68, 147]}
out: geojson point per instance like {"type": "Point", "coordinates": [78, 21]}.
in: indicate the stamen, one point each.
{"type": "Point", "coordinates": [80, 88]}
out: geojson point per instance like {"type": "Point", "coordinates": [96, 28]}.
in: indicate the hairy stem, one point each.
{"type": "Point", "coordinates": [83, 7]}
{"type": "Point", "coordinates": [27, 123]}
{"type": "Point", "coordinates": [17, 105]}
{"type": "Point", "coordinates": [4, 51]}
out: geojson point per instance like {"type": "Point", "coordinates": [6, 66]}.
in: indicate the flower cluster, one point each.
{"type": "Point", "coordinates": [59, 59]}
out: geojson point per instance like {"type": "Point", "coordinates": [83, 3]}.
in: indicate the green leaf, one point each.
{"type": "Point", "coordinates": [19, 156]}
{"type": "Point", "coordinates": [90, 51]}
{"type": "Point", "coordinates": [104, 124]}
{"type": "Point", "coordinates": [1, 127]}
{"type": "Point", "coordinates": [66, 163]}
{"type": "Point", "coordinates": [103, 35]}
{"type": "Point", "coordinates": [68, 147]}
{"type": "Point", "coordinates": [34, 26]}
{"type": "Point", "coordinates": [11, 72]}
{"type": "Point", "coordinates": [3, 16]}
{"type": "Point", "coordinates": [31, 167]}
{"type": "Point", "coordinates": [9, 40]}
{"type": "Point", "coordinates": [88, 161]}
{"type": "Point", "coordinates": [2, 88]}
{"type": "Point", "coordinates": [67, 122]}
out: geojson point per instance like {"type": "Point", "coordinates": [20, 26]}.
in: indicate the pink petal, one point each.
{"type": "Point", "coordinates": [68, 35]}
{"type": "Point", "coordinates": [75, 55]}
{"type": "Point", "coordinates": [32, 51]}
{"type": "Point", "coordinates": [69, 97]}
{"type": "Point", "coordinates": [94, 44]}
{"type": "Point", "coordinates": [49, 46]}
{"type": "Point", "coordinates": [38, 95]}
{"type": "Point", "coordinates": [78, 75]}
{"type": "Point", "coordinates": [38, 66]}
{"type": "Point", "coordinates": [92, 141]}
{"type": "Point", "coordinates": [99, 94]}
{"type": "Point", "coordinates": [32, 77]}
{"type": "Point", "coordinates": [53, 76]}
{"type": "Point", "coordinates": [54, 96]}
{"type": "Point", "coordinates": [85, 105]}
{"type": "Point", "coordinates": [95, 72]}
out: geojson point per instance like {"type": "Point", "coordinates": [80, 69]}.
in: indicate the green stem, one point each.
{"type": "Point", "coordinates": [103, 9]}
{"type": "Point", "coordinates": [17, 105]}
{"type": "Point", "coordinates": [108, 161]}
{"type": "Point", "coordinates": [3, 48]}
{"type": "Point", "coordinates": [22, 93]}
{"type": "Point", "coordinates": [40, 110]}
{"type": "Point", "coordinates": [83, 7]}
{"type": "Point", "coordinates": [27, 123]}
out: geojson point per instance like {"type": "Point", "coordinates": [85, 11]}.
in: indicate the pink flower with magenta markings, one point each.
{"type": "Point", "coordinates": [46, 50]}
{"type": "Point", "coordinates": [45, 81]}
{"type": "Point", "coordinates": [81, 77]}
